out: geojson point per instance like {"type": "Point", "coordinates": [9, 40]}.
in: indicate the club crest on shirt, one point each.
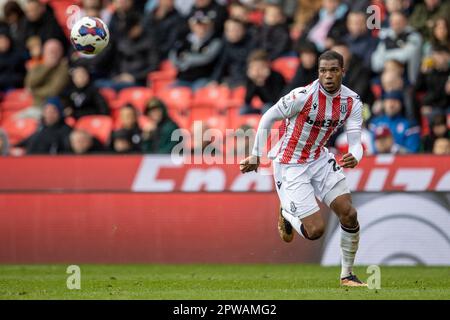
{"type": "Point", "coordinates": [344, 108]}
{"type": "Point", "coordinates": [293, 207]}
{"type": "Point", "coordinates": [283, 102]}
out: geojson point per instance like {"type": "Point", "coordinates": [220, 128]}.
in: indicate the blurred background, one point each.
{"type": "Point", "coordinates": [85, 168]}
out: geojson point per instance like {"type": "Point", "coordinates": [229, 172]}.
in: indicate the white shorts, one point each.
{"type": "Point", "coordinates": [298, 185]}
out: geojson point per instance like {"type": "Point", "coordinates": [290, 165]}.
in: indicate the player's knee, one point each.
{"type": "Point", "coordinates": [314, 232]}
{"type": "Point", "coordinates": [349, 217]}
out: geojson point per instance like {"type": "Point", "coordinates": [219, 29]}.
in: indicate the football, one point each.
{"type": "Point", "coordinates": [89, 35]}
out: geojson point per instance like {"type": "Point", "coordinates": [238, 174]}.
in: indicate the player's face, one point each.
{"type": "Point", "coordinates": [330, 75]}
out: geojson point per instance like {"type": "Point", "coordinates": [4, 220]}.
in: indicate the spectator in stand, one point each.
{"type": "Point", "coordinates": [122, 142]}
{"type": "Point", "coordinates": [424, 15]}
{"type": "Point", "coordinates": [305, 12]}
{"type": "Point", "coordinates": [47, 79]}
{"type": "Point", "coordinates": [41, 22]}
{"type": "Point", "coordinates": [357, 76]}
{"type": "Point", "coordinates": [384, 142]}
{"type": "Point", "coordinates": [394, 78]}
{"type": "Point", "coordinates": [401, 43]}
{"type": "Point", "coordinates": [307, 70]}
{"type": "Point", "coordinates": [82, 143]}
{"type": "Point", "coordinates": [327, 24]}
{"type": "Point", "coordinates": [406, 133]}
{"type": "Point", "coordinates": [359, 39]}
{"type": "Point", "coordinates": [12, 62]}
{"type": "Point", "coordinates": [392, 6]}
{"type": "Point", "coordinates": [157, 135]}
{"type": "Point", "coordinates": [15, 18]}
{"type": "Point", "coordinates": [233, 58]}
{"type": "Point", "coordinates": [163, 24]}
{"type": "Point", "coordinates": [288, 7]}
{"type": "Point", "coordinates": [136, 56]}
{"type": "Point", "coordinates": [434, 80]}
{"type": "Point", "coordinates": [34, 47]}
{"type": "Point", "coordinates": [119, 20]}
{"type": "Point", "coordinates": [239, 11]}
{"type": "Point", "coordinates": [216, 12]}
{"type": "Point", "coordinates": [438, 130]}
{"type": "Point", "coordinates": [196, 56]}
{"type": "Point", "coordinates": [273, 37]}
{"type": "Point", "coordinates": [52, 136]}
{"type": "Point", "coordinates": [4, 143]}
{"type": "Point", "coordinates": [129, 128]}
{"type": "Point", "coordinates": [84, 97]}
{"type": "Point", "coordinates": [95, 8]}
{"type": "Point", "coordinates": [441, 147]}
{"type": "Point", "coordinates": [262, 82]}
{"type": "Point", "coordinates": [440, 36]}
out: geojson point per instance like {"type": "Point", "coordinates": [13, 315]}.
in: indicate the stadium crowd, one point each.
{"type": "Point", "coordinates": [170, 62]}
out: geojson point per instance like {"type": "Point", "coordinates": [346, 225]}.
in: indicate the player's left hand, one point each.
{"type": "Point", "coordinates": [348, 161]}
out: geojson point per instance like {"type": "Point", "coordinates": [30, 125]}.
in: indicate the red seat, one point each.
{"type": "Point", "coordinates": [19, 96]}
{"type": "Point", "coordinates": [70, 121]}
{"type": "Point", "coordinates": [218, 122]}
{"type": "Point", "coordinates": [108, 93]}
{"type": "Point", "coordinates": [237, 97]}
{"type": "Point", "coordinates": [9, 108]}
{"type": "Point", "coordinates": [183, 120]}
{"type": "Point", "coordinates": [19, 129]}
{"type": "Point", "coordinates": [166, 65]}
{"type": "Point", "coordinates": [98, 126]}
{"type": "Point", "coordinates": [179, 98]}
{"type": "Point", "coordinates": [160, 80]}
{"type": "Point", "coordinates": [377, 90]}
{"type": "Point", "coordinates": [287, 66]}
{"type": "Point", "coordinates": [211, 96]}
{"type": "Point", "coordinates": [137, 96]}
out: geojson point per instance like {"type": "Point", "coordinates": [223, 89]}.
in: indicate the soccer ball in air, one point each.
{"type": "Point", "coordinates": [89, 35]}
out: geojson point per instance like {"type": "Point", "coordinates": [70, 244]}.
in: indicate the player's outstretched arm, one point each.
{"type": "Point", "coordinates": [355, 149]}
{"type": "Point", "coordinates": [265, 125]}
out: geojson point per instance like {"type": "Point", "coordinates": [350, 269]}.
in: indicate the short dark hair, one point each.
{"type": "Point", "coordinates": [332, 55]}
{"type": "Point", "coordinates": [258, 55]}
{"type": "Point", "coordinates": [234, 20]}
{"type": "Point", "coordinates": [12, 7]}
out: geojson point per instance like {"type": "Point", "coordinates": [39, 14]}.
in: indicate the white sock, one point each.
{"type": "Point", "coordinates": [349, 246]}
{"type": "Point", "coordinates": [295, 222]}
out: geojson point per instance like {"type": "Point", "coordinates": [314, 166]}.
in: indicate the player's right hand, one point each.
{"type": "Point", "coordinates": [249, 164]}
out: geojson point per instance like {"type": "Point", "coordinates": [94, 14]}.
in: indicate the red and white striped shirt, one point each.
{"type": "Point", "coordinates": [311, 116]}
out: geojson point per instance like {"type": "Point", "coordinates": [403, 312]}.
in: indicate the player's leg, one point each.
{"type": "Point", "coordinates": [310, 227]}
{"type": "Point", "coordinates": [340, 201]}
{"type": "Point", "coordinates": [299, 209]}
{"type": "Point", "coordinates": [330, 184]}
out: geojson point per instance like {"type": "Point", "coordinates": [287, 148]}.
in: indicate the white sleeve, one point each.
{"type": "Point", "coordinates": [353, 128]}
{"type": "Point", "coordinates": [292, 103]}
{"type": "Point", "coordinates": [264, 127]}
{"type": "Point", "coordinates": [354, 145]}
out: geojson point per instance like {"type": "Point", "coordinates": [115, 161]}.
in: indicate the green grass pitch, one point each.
{"type": "Point", "coordinates": [289, 281]}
